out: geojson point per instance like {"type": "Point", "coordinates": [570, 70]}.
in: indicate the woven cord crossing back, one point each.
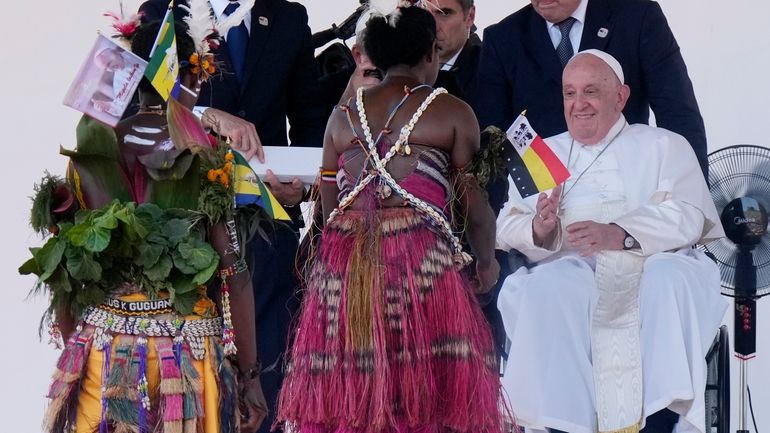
{"type": "Point", "coordinates": [402, 144]}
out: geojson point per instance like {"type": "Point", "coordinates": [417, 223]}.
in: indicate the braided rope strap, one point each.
{"type": "Point", "coordinates": [460, 257]}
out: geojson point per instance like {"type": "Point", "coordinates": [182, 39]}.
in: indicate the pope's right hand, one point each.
{"type": "Point", "coordinates": [546, 218]}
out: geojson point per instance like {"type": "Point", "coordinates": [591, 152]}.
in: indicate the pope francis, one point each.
{"type": "Point", "coordinates": [613, 322]}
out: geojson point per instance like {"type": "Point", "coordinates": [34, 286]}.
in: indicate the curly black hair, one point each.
{"type": "Point", "coordinates": [405, 43]}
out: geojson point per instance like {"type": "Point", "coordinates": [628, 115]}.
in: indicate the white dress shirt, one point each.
{"type": "Point", "coordinates": [218, 6]}
{"type": "Point", "coordinates": [575, 33]}
{"type": "Point", "coordinates": [451, 63]}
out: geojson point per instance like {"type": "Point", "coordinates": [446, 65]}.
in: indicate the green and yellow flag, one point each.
{"type": "Point", "coordinates": [163, 68]}
{"type": "Point", "coordinates": [249, 189]}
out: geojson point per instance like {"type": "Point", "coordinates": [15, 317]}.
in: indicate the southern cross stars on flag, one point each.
{"type": "Point", "coordinates": [531, 163]}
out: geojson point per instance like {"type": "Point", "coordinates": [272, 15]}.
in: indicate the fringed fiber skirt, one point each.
{"type": "Point", "coordinates": [125, 373]}
{"type": "Point", "coordinates": [390, 337]}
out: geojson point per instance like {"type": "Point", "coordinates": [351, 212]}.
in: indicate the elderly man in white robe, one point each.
{"type": "Point", "coordinates": [613, 322]}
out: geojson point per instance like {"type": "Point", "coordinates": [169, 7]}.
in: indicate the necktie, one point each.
{"type": "Point", "coordinates": [564, 49]}
{"type": "Point", "coordinates": [237, 40]}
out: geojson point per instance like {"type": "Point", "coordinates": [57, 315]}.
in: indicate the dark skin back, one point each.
{"type": "Point", "coordinates": [448, 124]}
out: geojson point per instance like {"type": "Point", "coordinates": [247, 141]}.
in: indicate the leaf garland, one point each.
{"type": "Point", "coordinates": [217, 196]}
{"type": "Point", "coordinates": [488, 163]}
{"type": "Point", "coordinates": [155, 249]}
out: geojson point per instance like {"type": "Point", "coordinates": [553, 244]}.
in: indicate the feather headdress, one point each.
{"type": "Point", "coordinates": [202, 28]}
{"type": "Point", "coordinates": [390, 8]}
{"type": "Point", "coordinates": [235, 18]}
{"type": "Point", "coordinates": [429, 5]}
{"type": "Point", "coordinates": [124, 27]}
{"type": "Point", "coordinates": [201, 25]}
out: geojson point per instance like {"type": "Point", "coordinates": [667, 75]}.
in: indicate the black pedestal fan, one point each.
{"type": "Point", "coordinates": [739, 181]}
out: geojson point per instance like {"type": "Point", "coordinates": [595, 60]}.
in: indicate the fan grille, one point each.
{"type": "Point", "coordinates": [740, 171]}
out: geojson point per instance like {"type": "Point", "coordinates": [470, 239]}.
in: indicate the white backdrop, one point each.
{"type": "Point", "coordinates": [726, 45]}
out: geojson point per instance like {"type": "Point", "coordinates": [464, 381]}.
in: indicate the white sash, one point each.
{"type": "Point", "coordinates": [615, 324]}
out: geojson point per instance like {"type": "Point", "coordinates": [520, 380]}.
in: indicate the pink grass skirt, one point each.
{"type": "Point", "coordinates": [390, 338]}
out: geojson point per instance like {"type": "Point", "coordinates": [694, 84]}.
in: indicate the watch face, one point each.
{"type": "Point", "coordinates": [628, 242]}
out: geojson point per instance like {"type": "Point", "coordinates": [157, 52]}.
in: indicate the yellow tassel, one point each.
{"type": "Point", "coordinates": [630, 429]}
{"type": "Point", "coordinates": [363, 276]}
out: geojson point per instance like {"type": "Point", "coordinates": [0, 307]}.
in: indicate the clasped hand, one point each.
{"type": "Point", "coordinates": [589, 237]}
{"type": "Point", "coordinates": [287, 193]}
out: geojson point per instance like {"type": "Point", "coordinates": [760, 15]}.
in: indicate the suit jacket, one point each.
{"type": "Point", "coordinates": [461, 81]}
{"type": "Point", "coordinates": [519, 69]}
{"type": "Point", "coordinates": [280, 78]}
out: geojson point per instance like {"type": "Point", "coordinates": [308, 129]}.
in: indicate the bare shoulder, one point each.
{"type": "Point", "coordinates": [454, 108]}
{"type": "Point", "coordinates": [337, 119]}
{"type": "Point", "coordinates": [339, 133]}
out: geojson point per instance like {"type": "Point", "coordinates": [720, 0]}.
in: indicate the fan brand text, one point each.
{"type": "Point", "coordinates": [743, 220]}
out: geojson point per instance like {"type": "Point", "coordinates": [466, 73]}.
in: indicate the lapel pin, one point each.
{"type": "Point", "coordinates": [263, 21]}
{"type": "Point", "coordinates": [602, 33]}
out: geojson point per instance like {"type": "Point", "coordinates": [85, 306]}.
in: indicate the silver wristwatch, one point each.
{"type": "Point", "coordinates": [628, 241]}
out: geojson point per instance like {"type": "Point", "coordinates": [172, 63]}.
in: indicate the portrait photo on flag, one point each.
{"type": "Point", "coordinates": [105, 83]}
{"type": "Point", "coordinates": [532, 165]}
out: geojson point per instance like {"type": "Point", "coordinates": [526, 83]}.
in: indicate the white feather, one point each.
{"type": "Point", "coordinates": [389, 8]}
{"type": "Point", "coordinates": [201, 23]}
{"type": "Point", "coordinates": [383, 7]}
{"type": "Point", "coordinates": [234, 19]}
{"type": "Point", "coordinates": [431, 6]}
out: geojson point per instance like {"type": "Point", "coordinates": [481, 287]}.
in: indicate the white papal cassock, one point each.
{"type": "Point", "coordinates": [647, 181]}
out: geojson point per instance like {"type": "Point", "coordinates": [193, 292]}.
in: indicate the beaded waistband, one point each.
{"type": "Point", "coordinates": [135, 308]}
{"type": "Point", "coordinates": [193, 331]}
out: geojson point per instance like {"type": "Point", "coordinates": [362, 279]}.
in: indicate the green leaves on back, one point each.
{"type": "Point", "coordinates": [82, 266]}
{"type": "Point", "coordinates": [196, 257]}
{"type": "Point", "coordinates": [92, 238]}
{"type": "Point", "coordinates": [159, 250]}
{"type": "Point", "coordinates": [176, 230]}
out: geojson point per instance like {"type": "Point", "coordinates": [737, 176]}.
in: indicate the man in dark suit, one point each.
{"type": "Point", "coordinates": [279, 73]}
{"type": "Point", "coordinates": [278, 80]}
{"type": "Point", "coordinates": [521, 69]}
{"type": "Point", "coordinates": [459, 46]}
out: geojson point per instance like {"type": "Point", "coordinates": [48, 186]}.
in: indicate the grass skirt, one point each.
{"type": "Point", "coordinates": [128, 384]}
{"type": "Point", "coordinates": [390, 337]}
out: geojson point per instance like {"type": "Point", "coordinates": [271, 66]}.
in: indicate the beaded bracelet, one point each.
{"type": "Point", "coordinates": [328, 176]}
{"type": "Point", "coordinates": [228, 331]}
{"type": "Point", "coordinates": [237, 267]}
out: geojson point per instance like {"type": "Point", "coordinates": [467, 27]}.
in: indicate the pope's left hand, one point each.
{"type": "Point", "coordinates": [590, 237]}
{"type": "Point", "coordinates": [287, 194]}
